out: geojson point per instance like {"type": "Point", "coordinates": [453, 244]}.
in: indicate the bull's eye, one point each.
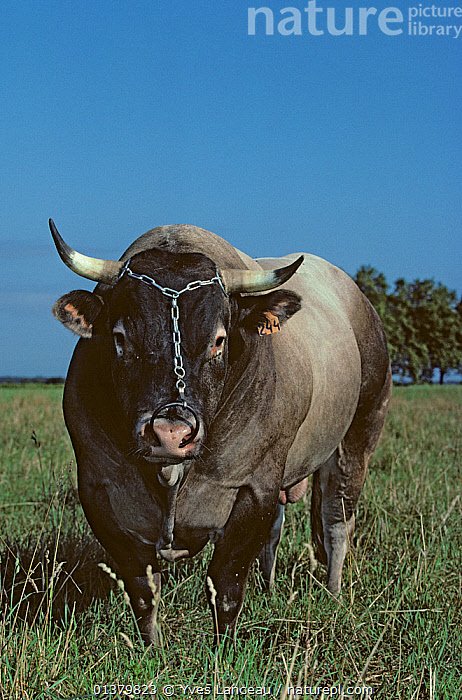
{"type": "Point", "coordinates": [219, 346]}
{"type": "Point", "coordinates": [119, 342]}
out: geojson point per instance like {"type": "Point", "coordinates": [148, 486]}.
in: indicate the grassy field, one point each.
{"type": "Point", "coordinates": [66, 628]}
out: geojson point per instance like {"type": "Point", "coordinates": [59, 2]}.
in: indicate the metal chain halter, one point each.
{"type": "Point", "coordinates": [173, 294]}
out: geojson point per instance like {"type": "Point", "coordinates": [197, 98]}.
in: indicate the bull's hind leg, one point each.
{"type": "Point", "coordinates": [332, 522]}
{"type": "Point", "coordinates": [338, 483]}
{"type": "Point", "coordinates": [267, 556]}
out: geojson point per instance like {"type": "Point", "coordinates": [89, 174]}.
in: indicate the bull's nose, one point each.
{"type": "Point", "coordinates": [175, 427]}
{"type": "Point", "coordinates": [171, 435]}
{"type": "Point", "coordinates": [175, 420]}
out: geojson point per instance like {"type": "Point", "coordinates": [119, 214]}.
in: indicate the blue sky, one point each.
{"type": "Point", "coordinates": [119, 116]}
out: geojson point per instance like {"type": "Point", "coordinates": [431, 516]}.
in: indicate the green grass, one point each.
{"type": "Point", "coordinates": [65, 627]}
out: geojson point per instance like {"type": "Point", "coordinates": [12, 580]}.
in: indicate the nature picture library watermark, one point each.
{"type": "Point", "coordinates": [419, 20]}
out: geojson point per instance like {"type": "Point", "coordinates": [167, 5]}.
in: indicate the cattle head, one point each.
{"type": "Point", "coordinates": [170, 325]}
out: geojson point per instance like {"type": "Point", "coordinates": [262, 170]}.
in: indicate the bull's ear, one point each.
{"type": "Point", "coordinates": [78, 311]}
{"type": "Point", "coordinates": [265, 314]}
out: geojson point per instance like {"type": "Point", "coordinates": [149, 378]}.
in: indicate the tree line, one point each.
{"type": "Point", "coordinates": [422, 321]}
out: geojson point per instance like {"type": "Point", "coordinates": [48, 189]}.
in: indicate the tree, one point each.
{"type": "Point", "coordinates": [374, 285]}
{"type": "Point", "coordinates": [438, 325]}
{"type": "Point", "coordinates": [392, 314]}
{"type": "Point", "coordinates": [422, 321]}
{"type": "Point", "coordinates": [410, 355]}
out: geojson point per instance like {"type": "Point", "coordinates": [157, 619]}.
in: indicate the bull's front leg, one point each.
{"type": "Point", "coordinates": [246, 530]}
{"type": "Point", "coordinates": [144, 594]}
{"type": "Point", "coordinates": [136, 561]}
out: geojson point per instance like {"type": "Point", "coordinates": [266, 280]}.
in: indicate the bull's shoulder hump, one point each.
{"type": "Point", "coordinates": [311, 263]}
{"type": "Point", "coordinates": [320, 283]}
{"type": "Point", "coordinates": [314, 271]}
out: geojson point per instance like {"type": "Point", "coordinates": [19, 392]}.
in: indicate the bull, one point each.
{"type": "Point", "coordinates": [205, 389]}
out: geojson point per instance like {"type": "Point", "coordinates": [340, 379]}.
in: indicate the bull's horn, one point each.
{"type": "Point", "coordinates": [248, 281]}
{"type": "Point", "coordinates": [106, 271]}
